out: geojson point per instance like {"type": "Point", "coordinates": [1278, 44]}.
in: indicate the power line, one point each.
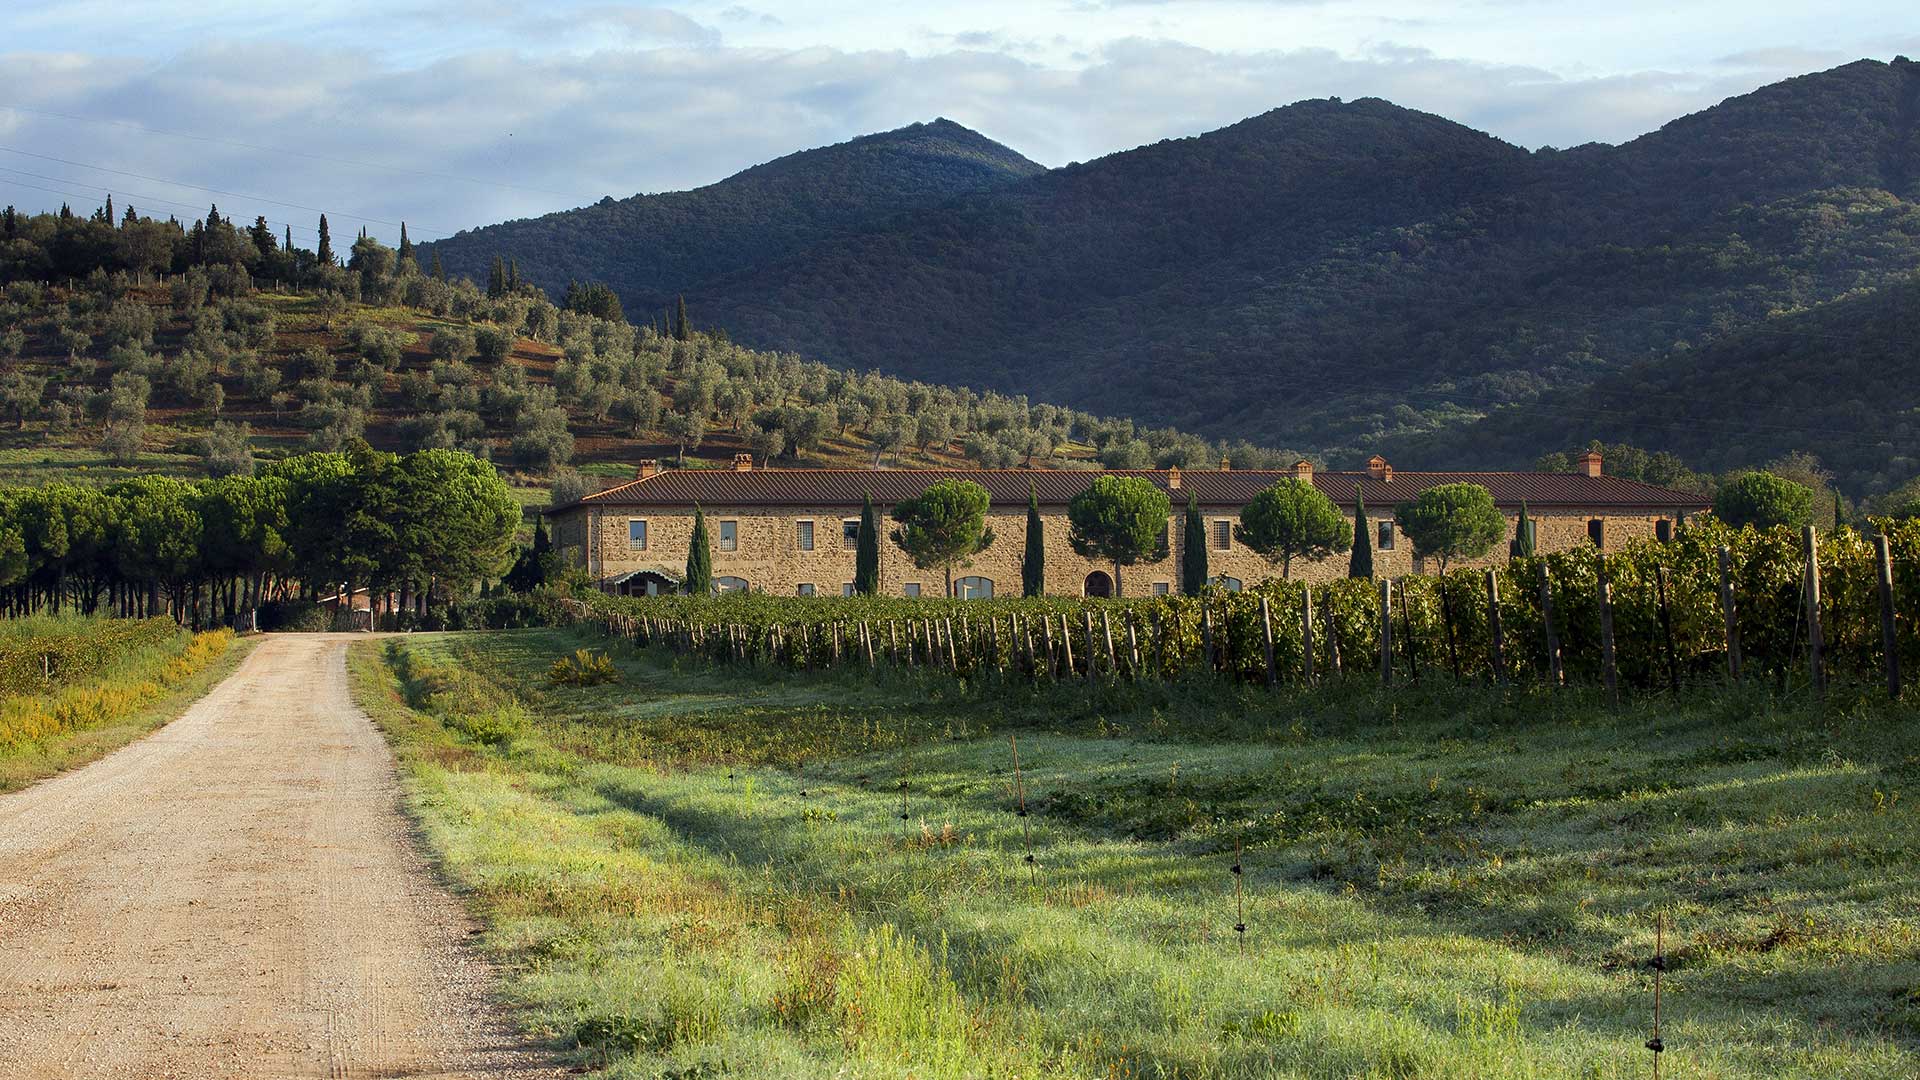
{"type": "Point", "coordinates": [294, 153]}
{"type": "Point", "coordinates": [211, 190]}
{"type": "Point", "coordinates": [134, 196]}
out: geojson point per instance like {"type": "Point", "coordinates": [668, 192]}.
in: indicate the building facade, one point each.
{"type": "Point", "coordinates": [792, 531]}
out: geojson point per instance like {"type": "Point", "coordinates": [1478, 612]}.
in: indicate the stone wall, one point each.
{"type": "Point", "coordinates": [767, 555]}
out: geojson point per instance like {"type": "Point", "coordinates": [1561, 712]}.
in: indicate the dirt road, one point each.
{"type": "Point", "coordinates": [237, 896]}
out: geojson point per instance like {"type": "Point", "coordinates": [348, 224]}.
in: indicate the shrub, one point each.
{"type": "Point", "coordinates": [1763, 500]}
{"type": "Point", "coordinates": [584, 668]}
{"type": "Point", "coordinates": [295, 617]}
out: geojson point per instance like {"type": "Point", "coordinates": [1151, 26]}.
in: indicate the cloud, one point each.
{"type": "Point", "coordinates": [484, 134]}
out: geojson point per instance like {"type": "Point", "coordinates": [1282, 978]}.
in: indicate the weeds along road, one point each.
{"type": "Point", "coordinates": [237, 896]}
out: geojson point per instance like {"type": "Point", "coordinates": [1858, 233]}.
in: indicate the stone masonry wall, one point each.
{"type": "Point", "coordinates": [768, 557]}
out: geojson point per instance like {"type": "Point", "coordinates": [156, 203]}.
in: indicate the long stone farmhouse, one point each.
{"type": "Point", "coordinates": [792, 531]}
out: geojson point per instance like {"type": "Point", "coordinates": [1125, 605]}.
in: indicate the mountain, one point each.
{"type": "Point", "coordinates": [649, 247]}
{"type": "Point", "coordinates": [1841, 381]}
{"type": "Point", "coordinates": [1343, 276]}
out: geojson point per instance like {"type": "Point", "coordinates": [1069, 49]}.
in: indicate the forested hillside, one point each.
{"type": "Point", "coordinates": [1841, 381]}
{"type": "Point", "coordinates": [1344, 276]}
{"type": "Point", "coordinates": [134, 345]}
{"type": "Point", "coordinates": [651, 247]}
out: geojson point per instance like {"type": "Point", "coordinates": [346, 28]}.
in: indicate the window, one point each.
{"type": "Point", "coordinates": [973, 588]}
{"type": "Point", "coordinates": [805, 588]}
{"type": "Point", "coordinates": [1597, 532]}
{"type": "Point", "coordinates": [729, 536]}
{"type": "Point", "coordinates": [803, 535]}
{"type": "Point", "coordinates": [729, 584]}
{"type": "Point", "coordinates": [911, 588]}
{"type": "Point", "coordinates": [1222, 534]}
{"type": "Point", "coordinates": [1231, 584]}
{"type": "Point", "coordinates": [849, 533]}
{"type": "Point", "coordinates": [1386, 536]}
{"type": "Point", "coordinates": [636, 535]}
{"type": "Point", "coordinates": [846, 588]}
{"type": "Point", "coordinates": [1663, 530]}
{"type": "Point", "coordinates": [1160, 588]}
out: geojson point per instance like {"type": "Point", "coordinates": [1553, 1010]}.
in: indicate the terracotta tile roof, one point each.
{"type": "Point", "coordinates": [1008, 487]}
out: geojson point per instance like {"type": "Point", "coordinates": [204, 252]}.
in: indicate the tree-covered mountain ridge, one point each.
{"type": "Point", "coordinates": [1342, 276]}
{"type": "Point", "coordinates": [649, 246]}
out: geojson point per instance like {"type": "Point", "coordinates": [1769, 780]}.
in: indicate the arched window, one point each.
{"type": "Point", "coordinates": [973, 588]}
{"type": "Point", "coordinates": [729, 584]}
{"type": "Point", "coordinates": [1231, 584]}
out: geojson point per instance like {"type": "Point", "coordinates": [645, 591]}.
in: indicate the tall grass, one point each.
{"type": "Point", "coordinates": [696, 872]}
{"type": "Point", "coordinates": [128, 665]}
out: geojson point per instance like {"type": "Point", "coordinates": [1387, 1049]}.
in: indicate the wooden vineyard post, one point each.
{"type": "Point", "coordinates": [1406, 626]}
{"type": "Point", "coordinates": [1306, 634]}
{"type": "Point", "coordinates": [1816, 643]}
{"type": "Point", "coordinates": [1106, 629]}
{"type": "Point", "coordinates": [893, 640]}
{"type": "Point", "coordinates": [953, 656]}
{"type": "Point", "coordinates": [1497, 638]}
{"type": "Point", "coordinates": [1266, 630]}
{"type": "Point", "coordinates": [1093, 657]}
{"type": "Point", "coordinates": [1608, 668]}
{"type": "Point", "coordinates": [1386, 631]}
{"type": "Point", "coordinates": [1333, 640]}
{"type": "Point", "coordinates": [1206, 633]}
{"type": "Point", "coordinates": [1889, 642]}
{"type": "Point", "coordinates": [1666, 630]}
{"type": "Point", "coordinates": [866, 642]}
{"type": "Point", "coordinates": [1730, 613]}
{"type": "Point", "coordinates": [1159, 645]}
{"type": "Point", "coordinates": [1066, 648]}
{"type": "Point", "coordinates": [1133, 644]}
{"type": "Point", "coordinates": [993, 642]}
{"type": "Point", "coordinates": [1556, 672]}
{"type": "Point", "coordinates": [1446, 620]}
{"type": "Point", "coordinates": [1053, 653]}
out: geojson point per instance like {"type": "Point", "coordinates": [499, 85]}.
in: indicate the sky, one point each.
{"type": "Point", "coordinates": [454, 115]}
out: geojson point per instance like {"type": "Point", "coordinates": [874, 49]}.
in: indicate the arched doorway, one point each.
{"type": "Point", "coordinates": [1099, 584]}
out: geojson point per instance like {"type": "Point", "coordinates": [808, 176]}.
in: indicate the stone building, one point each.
{"type": "Point", "coordinates": [792, 531]}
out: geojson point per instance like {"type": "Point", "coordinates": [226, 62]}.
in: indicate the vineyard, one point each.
{"type": "Point", "coordinates": [1713, 601]}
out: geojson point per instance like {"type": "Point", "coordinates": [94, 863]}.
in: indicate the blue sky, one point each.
{"type": "Point", "coordinates": [451, 115]}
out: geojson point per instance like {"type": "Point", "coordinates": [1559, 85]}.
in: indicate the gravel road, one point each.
{"type": "Point", "coordinates": [239, 895]}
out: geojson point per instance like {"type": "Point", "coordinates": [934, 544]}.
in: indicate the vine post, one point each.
{"type": "Point", "coordinates": [1386, 632]}
{"type": "Point", "coordinates": [1608, 667]}
{"type": "Point", "coordinates": [1889, 643]}
{"type": "Point", "coordinates": [1816, 643]}
{"type": "Point", "coordinates": [1556, 672]}
{"type": "Point", "coordinates": [1497, 637]}
{"type": "Point", "coordinates": [1730, 613]}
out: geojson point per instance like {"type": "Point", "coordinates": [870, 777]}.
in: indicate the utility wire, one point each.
{"type": "Point", "coordinates": [293, 153]}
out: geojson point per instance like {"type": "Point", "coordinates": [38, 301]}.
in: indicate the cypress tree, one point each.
{"type": "Point", "coordinates": [406, 245]}
{"type": "Point", "coordinates": [681, 331]}
{"type": "Point", "coordinates": [513, 275]}
{"type": "Point", "coordinates": [699, 557]}
{"type": "Point", "coordinates": [1033, 564]}
{"type": "Point", "coordinates": [10, 223]}
{"type": "Point", "coordinates": [439, 271]}
{"type": "Point", "coordinates": [1523, 532]}
{"type": "Point", "coordinates": [108, 217]}
{"type": "Point", "coordinates": [325, 252]}
{"type": "Point", "coordinates": [286, 241]}
{"type": "Point", "coordinates": [497, 278]}
{"type": "Point", "coordinates": [1360, 563]}
{"type": "Point", "coordinates": [128, 217]}
{"type": "Point", "coordinates": [1193, 554]}
{"type": "Point", "coordinates": [1839, 519]}
{"type": "Point", "coordinates": [866, 562]}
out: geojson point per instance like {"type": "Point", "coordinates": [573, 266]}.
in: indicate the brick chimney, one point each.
{"type": "Point", "coordinates": [743, 463]}
{"type": "Point", "coordinates": [1226, 464]}
{"type": "Point", "coordinates": [648, 467]}
{"type": "Point", "coordinates": [1303, 471]}
{"type": "Point", "coordinates": [1378, 468]}
{"type": "Point", "coordinates": [1173, 478]}
{"type": "Point", "coordinates": [1590, 463]}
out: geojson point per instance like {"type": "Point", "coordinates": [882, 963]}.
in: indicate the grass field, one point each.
{"type": "Point", "coordinates": [93, 714]}
{"type": "Point", "coordinates": [698, 873]}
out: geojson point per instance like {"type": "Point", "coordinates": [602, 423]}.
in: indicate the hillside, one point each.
{"type": "Point", "coordinates": [1841, 381]}
{"type": "Point", "coordinates": [650, 247]}
{"type": "Point", "coordinates": [1335, 275]}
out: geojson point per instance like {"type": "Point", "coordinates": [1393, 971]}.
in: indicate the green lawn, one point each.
{"type": "Point", "coordinates": [707, 873]}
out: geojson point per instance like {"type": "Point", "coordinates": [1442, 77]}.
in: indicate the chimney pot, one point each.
{"type": "Point", "coordinates": [1378, 468]}
{"type": "Point", "coordinates": [648, 467]}
{"type": "Point", "coordinates": [1173, 478]}
{"type": "Point", "coordinates": [1590, 463]}
{"type": "Point", "coordinates": [1303, 471]}
{"type": "Point", "coordinates": [1226, 464]}
{"type": "Point", "coordinates": [742, 462]}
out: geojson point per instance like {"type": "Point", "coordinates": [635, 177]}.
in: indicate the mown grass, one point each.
{"type": "Point", "coordinates": [694, 872]}
{"type": "Point", "coordinates": [85, 719]}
